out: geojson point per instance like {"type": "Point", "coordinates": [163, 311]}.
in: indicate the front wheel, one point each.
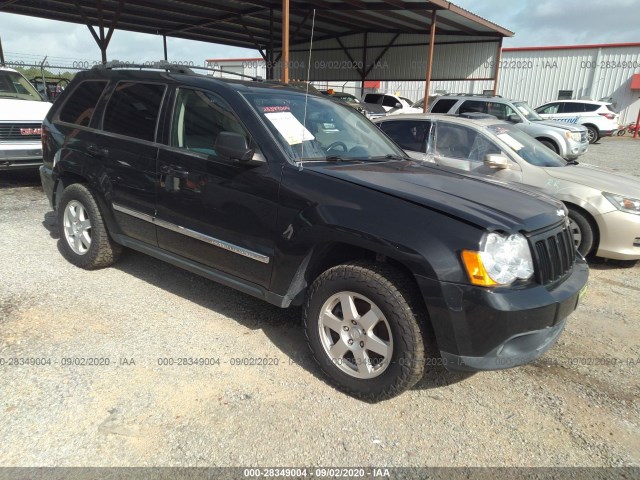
{"type": "Point", "coordinates": [550, 145]}
{"type": "Point", "coordinates": [363, 326]}
{"type": "Point", "coordinates": [582, 231]}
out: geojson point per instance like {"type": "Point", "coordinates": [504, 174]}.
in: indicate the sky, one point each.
{"type": "Point", "coordinates": [535, 22]}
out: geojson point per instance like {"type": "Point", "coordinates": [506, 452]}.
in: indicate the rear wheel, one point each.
{"type": "Point", "coordinates": [363, 326]}
{"type": "Point", "coordinates": [582, 231]}
{"type": "Point", "coordinates": [592, 134]}
{"type": "Point", "coordinates": [84, 237]}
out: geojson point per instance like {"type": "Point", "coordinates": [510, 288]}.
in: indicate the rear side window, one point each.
{"type": "Point", "coordinates": [133, 110]}
{"type": "Point", "coordinates": [388, 101]}
{"type": "Point", "coordinates": [573, 108]}
{"type": "Point", "coordinates": [79, 108]}
{"type": "Point", "coordinates": [591, 107]}
{"type": "Point", "coordinates": [443, 105]}
{"type": "Point", "coordinates": [473, 106]}
{"type": "Point", "coordinates": [372, 97]}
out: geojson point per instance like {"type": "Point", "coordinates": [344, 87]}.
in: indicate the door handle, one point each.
{"type": "Point", "coordinates": [95, 151]}
{"type": "Point", "coordinates": [174, 171]}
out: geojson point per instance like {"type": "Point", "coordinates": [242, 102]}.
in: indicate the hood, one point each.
{"type": "Point", "coordinates": [490, 205]}
{"type": "Point", "coordinates": [562, 125]}
{"type": "Point", "coordinates": [600, 178]}
{"type": "Point", "coordinates": [23, 110]}
{"type": "Point", "coordinates": [404, 110]}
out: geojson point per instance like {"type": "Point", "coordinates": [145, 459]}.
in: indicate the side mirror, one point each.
{"type": "Point", "coordinates": [234, 146]}
{"type": "Point", "coordinates": [513, 118]}
{"type": "Point", "coordinates": [397, 105]}
{"type": "Point", "coordinates": [499, 162]}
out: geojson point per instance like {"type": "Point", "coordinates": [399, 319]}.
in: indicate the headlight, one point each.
{"type": "Point", "coordinates": [575, 136]}
{"type": "Point", "coordinates": [500, 261]}
{"type": "Point", "coordinates": [622, 203]}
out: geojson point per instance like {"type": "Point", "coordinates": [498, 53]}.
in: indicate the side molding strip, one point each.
{"type": "Point", "coordinates": [193, 234]}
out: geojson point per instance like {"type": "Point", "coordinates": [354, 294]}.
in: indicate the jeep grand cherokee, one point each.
{"type": "Point", "coordinates": [299, 200]}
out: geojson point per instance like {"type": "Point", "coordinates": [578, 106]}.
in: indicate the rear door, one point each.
{"type": "Point", "coordinates": [211, 209]}
{"type": "Point", "coordinates": [129, 153]}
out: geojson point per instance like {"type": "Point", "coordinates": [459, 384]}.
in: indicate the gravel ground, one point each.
{"type": "Point", "coordinates": [577, 406]}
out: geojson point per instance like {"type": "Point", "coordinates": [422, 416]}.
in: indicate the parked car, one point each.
{"type": "Point", "coordinates": [569, 141]}
{"type": "Point", "coordinates": [347, 99]}
{"type": "Point", "coordinates": [299, 200]}
{"type": "Point", "coordinates": [392, 104]}
{"type": "Point", "coordinates": [49, 87]}
{"type": "Point", "coordinates": [342, 96]}
{"type": "Point", "coordinates": [22, 110]}
{"type": "Point", "coordinates": [604, 206]}
{"type": "Point", "coordinates": [599, 118]}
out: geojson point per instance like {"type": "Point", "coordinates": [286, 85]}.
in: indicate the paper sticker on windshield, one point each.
{"type": "Point", "coordinates": [276, 108]}
{"type": "Point", "coordinates": [509, 140]}
{"type": "Point", "coordinates": [289, 127]}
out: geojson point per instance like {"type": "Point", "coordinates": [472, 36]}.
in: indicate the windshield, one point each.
{"type": "Point", "coordinates": [527, 147]}
{"type": "Point", "coordinates": [14, 85]}
{"type": "Point", "coordinates": [528, 112]}
{"type": "Point", "coordinates": [331, 131]}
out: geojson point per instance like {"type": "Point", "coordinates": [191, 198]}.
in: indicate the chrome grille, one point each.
{"type": "Point", "coordinates": [20, 131]}
{"type": "Point", "coordinates": [554, 254]}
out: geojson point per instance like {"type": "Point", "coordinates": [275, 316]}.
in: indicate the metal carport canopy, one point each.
{"type": "Point", "coordinates": [364, 31]}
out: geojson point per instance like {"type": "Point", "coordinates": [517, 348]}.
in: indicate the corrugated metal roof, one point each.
{"type": "Point", "coordinates": [247, 23]}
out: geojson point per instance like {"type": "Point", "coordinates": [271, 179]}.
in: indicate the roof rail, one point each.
{"type": "Point", "coordinates": [160, 65]}
{"type": "Point", "coordinates": [472, 95]}
{"type": "Point", "coordinates": [168, 66]}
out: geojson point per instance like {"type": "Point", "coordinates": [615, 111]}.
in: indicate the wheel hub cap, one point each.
{"type": "Point", "coordinates": [355, 335]}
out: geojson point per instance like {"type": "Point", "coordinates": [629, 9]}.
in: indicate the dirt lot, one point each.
{"type": "Point", "coordinates": [577, 406]}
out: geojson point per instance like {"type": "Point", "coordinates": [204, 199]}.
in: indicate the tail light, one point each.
{"type": "Point", "coordinates": [608, 116]}
{"type": "Point", "coordinates": [44, 136]}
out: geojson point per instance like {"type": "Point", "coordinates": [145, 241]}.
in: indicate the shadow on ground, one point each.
{"type": "Point", "coordinates": [282, 326]}
{"type": "Point", "coordinates": [20, 179]}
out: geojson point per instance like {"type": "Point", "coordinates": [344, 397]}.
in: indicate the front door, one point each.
{"type": "Point", "coordinates": [465, 148]}
{"type": "Point", "coordinates": [211, 209]}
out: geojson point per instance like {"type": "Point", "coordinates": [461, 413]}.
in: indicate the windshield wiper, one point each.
{"type": "Point", "coordinates": [389, 156]}
{"type": "Point", "coordinates": [572, 162]}
{"type": "Point", "coordinates": [337, 158]}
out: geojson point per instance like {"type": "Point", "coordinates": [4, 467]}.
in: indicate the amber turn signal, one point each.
{"type": "Point", "coordinates": [475, 269]}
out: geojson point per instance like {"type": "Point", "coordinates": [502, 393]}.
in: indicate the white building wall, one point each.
{"type": "Point", "coordinates": [538, 75]}
{"type": "Point", "coordinates": [532, 75]}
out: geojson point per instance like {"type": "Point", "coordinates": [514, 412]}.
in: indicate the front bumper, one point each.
{"type": "Point", "coordinates": [492, 329]}
{"type": "Point", "coordinates": [619, 235]}
{"type": "Point", "coordinates": [20, 155]}
{"type": "Point", "coordinates": [575, 149]}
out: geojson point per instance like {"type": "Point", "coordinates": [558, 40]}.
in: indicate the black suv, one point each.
{"type": "Point", "coordinates": [299, 200]}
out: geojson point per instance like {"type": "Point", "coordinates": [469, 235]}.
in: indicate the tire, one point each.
{"type": "Point", "coordinates": [384, 324]}
{"type": "Point", "coordinates": [550, 145]}
{"type": "Point", "coordinates": [592, 134]}
{"type": "Point", "coordinates": [84, 239]}
{"type": "Point", "coordinates": [583, 231]}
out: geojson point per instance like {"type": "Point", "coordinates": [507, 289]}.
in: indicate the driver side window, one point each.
{"type": "Point", "coordinates": [549, 109]}
{"type": "Point", "coordinates": [454, 141]}
{"type": "Point", "coordinates": [198, 119]}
